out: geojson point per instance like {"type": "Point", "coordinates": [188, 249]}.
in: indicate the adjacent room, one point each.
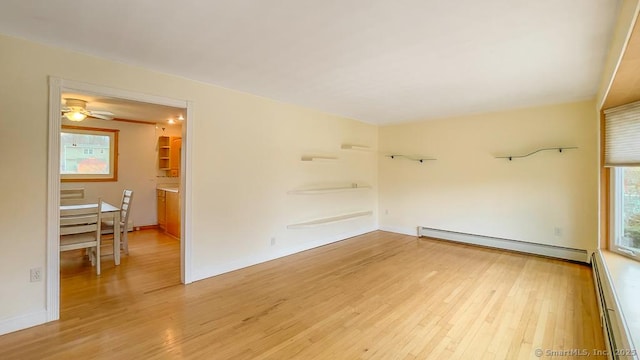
{"type": "Point", "coordinates": [143, 181]}
{"type": "Point", "coordinates": [320, 180]}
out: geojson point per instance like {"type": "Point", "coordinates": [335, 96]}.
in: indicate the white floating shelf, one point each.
{"type": "Point", "coordinates": [329, 220]}
{"type": "Point", "coordinates": [352, 187]}
{"type": "Point", "coordinates": [317, 158]}
{"type": "Point", "coordinates": [355, 147]}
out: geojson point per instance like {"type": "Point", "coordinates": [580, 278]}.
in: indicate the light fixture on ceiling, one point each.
{"type": "Point", "coordinates": [75, 116]}
{"type": "Point", "coordinates": [76, 110]}
{"type": "Point", "coordinates": [171, 121]}
{"type": "Point", "coordinates": [180, 117]}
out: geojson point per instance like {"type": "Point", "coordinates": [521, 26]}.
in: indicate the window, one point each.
{"type": "Point", "coordinates": [625, 222]}
{"type": "Point", "coordinates": [88, 154]}
{"type": "Point", "coordinates": [622, 156]}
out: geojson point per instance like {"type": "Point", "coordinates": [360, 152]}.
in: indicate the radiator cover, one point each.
{"type": "Point", "coordinates": [507, 244]}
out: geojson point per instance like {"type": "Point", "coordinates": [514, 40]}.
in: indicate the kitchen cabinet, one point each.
{"type": "Point", "coordinates": [175, 150]}
{"type": "Point", "coordinates": [162, 212]}
{"type": "Point", "coordinates": [169, 210]}
{"type": "Point", "coordinates": [173, 213]}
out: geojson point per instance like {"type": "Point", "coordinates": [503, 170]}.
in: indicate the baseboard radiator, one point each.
{"type": "Point", "coordinates": [507, 244]}
{"type": "Point", "coordinates": [616, 334]}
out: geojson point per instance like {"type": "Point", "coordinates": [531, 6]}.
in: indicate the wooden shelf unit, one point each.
{"type": "Point", "coordinates": [164, 153]}
{"type": "Point", "coordinates": [169, 153]}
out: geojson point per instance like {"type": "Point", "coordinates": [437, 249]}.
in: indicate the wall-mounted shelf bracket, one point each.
{"type": "Point", "coordinates": [559, 149]}
{"type": "Point", "coordinates": [420, 159]}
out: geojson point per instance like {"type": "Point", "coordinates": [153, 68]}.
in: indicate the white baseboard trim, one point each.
{"type": "Point", "coordinates": [20, 322]}
{"type": "Point", "coordinates": [203, 273]}
{"type": "Point", "coordinates": [507, 244]}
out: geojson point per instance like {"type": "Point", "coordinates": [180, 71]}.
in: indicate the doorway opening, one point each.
{"type": "Point", "coordinates": [143, 123]}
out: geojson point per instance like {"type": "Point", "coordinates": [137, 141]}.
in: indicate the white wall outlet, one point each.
{"type": "Point", "coordinates": [557, 231]}
{"type": "Point", "coordinates": [386, 211]}
{"type": "Point", "coordinates": [36, 274]}
{"type": "Point", "coordinates": [273, 241]}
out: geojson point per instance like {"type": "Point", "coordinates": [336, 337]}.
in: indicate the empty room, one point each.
{"type": "Point", "coordinates": [320, 180]}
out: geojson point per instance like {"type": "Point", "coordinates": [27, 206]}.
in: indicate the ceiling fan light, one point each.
{"type": "Point", "coordinates": [75, 116]}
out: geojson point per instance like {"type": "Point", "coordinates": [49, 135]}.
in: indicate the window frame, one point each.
{"type": "Point", "coordinates": [113, 154]}
{"type": "Point", "coordinates": [616, 206]}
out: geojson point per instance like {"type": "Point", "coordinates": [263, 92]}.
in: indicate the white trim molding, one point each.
{"type": "Point", "coordinates": [23, 321]}
{"type": "Point", "coordinates": [507, 244]}
{"type": "Point", "coordinates": [53, 201]}
{"type": "Point", "coordinates": [186, 211]}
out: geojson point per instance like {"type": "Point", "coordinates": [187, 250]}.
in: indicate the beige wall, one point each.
{"type": "Point", "coordinates": [246, 156]}
{"type": "Point", "coordinates": [468, 190]}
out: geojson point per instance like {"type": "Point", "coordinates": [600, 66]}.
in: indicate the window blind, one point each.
{"type": "Point", "coordinates": [622, 135]}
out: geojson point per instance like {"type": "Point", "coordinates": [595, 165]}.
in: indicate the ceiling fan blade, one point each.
{"type": "Point", "coordinates": [98, 112]}
{"type": "Point", "coordinates": [98, 116]}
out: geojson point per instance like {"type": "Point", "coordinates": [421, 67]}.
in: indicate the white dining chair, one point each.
{"type": "Point", "coordinates": [125, 210]}
{"type": "Point", "coordinates": [80, 229]}
{"type": "Point", "coordinates": [71, 196]}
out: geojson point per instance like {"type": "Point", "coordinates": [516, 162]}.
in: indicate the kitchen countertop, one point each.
{"type": "Point", "coordinates": [168, 188]}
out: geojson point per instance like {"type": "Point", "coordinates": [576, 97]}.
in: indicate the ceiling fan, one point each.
{"type": "Point", "coordinates": [76, 110]}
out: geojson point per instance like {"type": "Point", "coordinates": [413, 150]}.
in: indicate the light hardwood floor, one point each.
{"type": "Point", "coordinates": [376, 296]}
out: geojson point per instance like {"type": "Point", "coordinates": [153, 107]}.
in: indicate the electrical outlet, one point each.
{"type": "Point", "coordinates": [273, 241]}
{"type": "Point", "coordinates": [557, 231]}
{"type": "Point", "coordinates": [36, 274]}
{"type": "Point", "coordinates": [386, 211]}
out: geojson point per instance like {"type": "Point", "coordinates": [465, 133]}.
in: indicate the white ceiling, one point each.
{"type": "Point", "coordinates": [379, 61]}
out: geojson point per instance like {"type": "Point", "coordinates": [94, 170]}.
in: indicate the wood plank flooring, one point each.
{"type": "Point", "coordinates": [376, 296]}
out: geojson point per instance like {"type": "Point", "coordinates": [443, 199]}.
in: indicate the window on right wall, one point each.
{"type": "Point", "coordinates": [622, 157]}
{"type": "Point", "coordinates": [625, 214]}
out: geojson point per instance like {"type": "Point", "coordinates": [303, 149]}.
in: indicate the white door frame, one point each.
{"type": "Point", "coordinates": [56, 87]}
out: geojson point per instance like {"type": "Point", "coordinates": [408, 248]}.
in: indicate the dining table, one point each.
{"type": "Point", "coordinates": [108, 212]}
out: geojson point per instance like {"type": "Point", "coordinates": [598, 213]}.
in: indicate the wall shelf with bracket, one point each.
{"type": "Point", "coordinates": [417, 158]}
{"type": "Point", "coordinates": [352, 187]}
{"type": "Point", "coordinates": [559, 149]}
{"type": "Point", "coordinates": [329, 220]}
{"type": "Point", "coordinates": [317, 158]}
{"type": "Point", "coordinates": [355, 147]}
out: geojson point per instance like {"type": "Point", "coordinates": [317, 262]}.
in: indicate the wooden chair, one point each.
{"type": "Point", "coordinates": [80, 229]}
{"type": "Point", "coordinates": [125, 209]}
{"type": "Point", "coordinates": [71, 196]}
